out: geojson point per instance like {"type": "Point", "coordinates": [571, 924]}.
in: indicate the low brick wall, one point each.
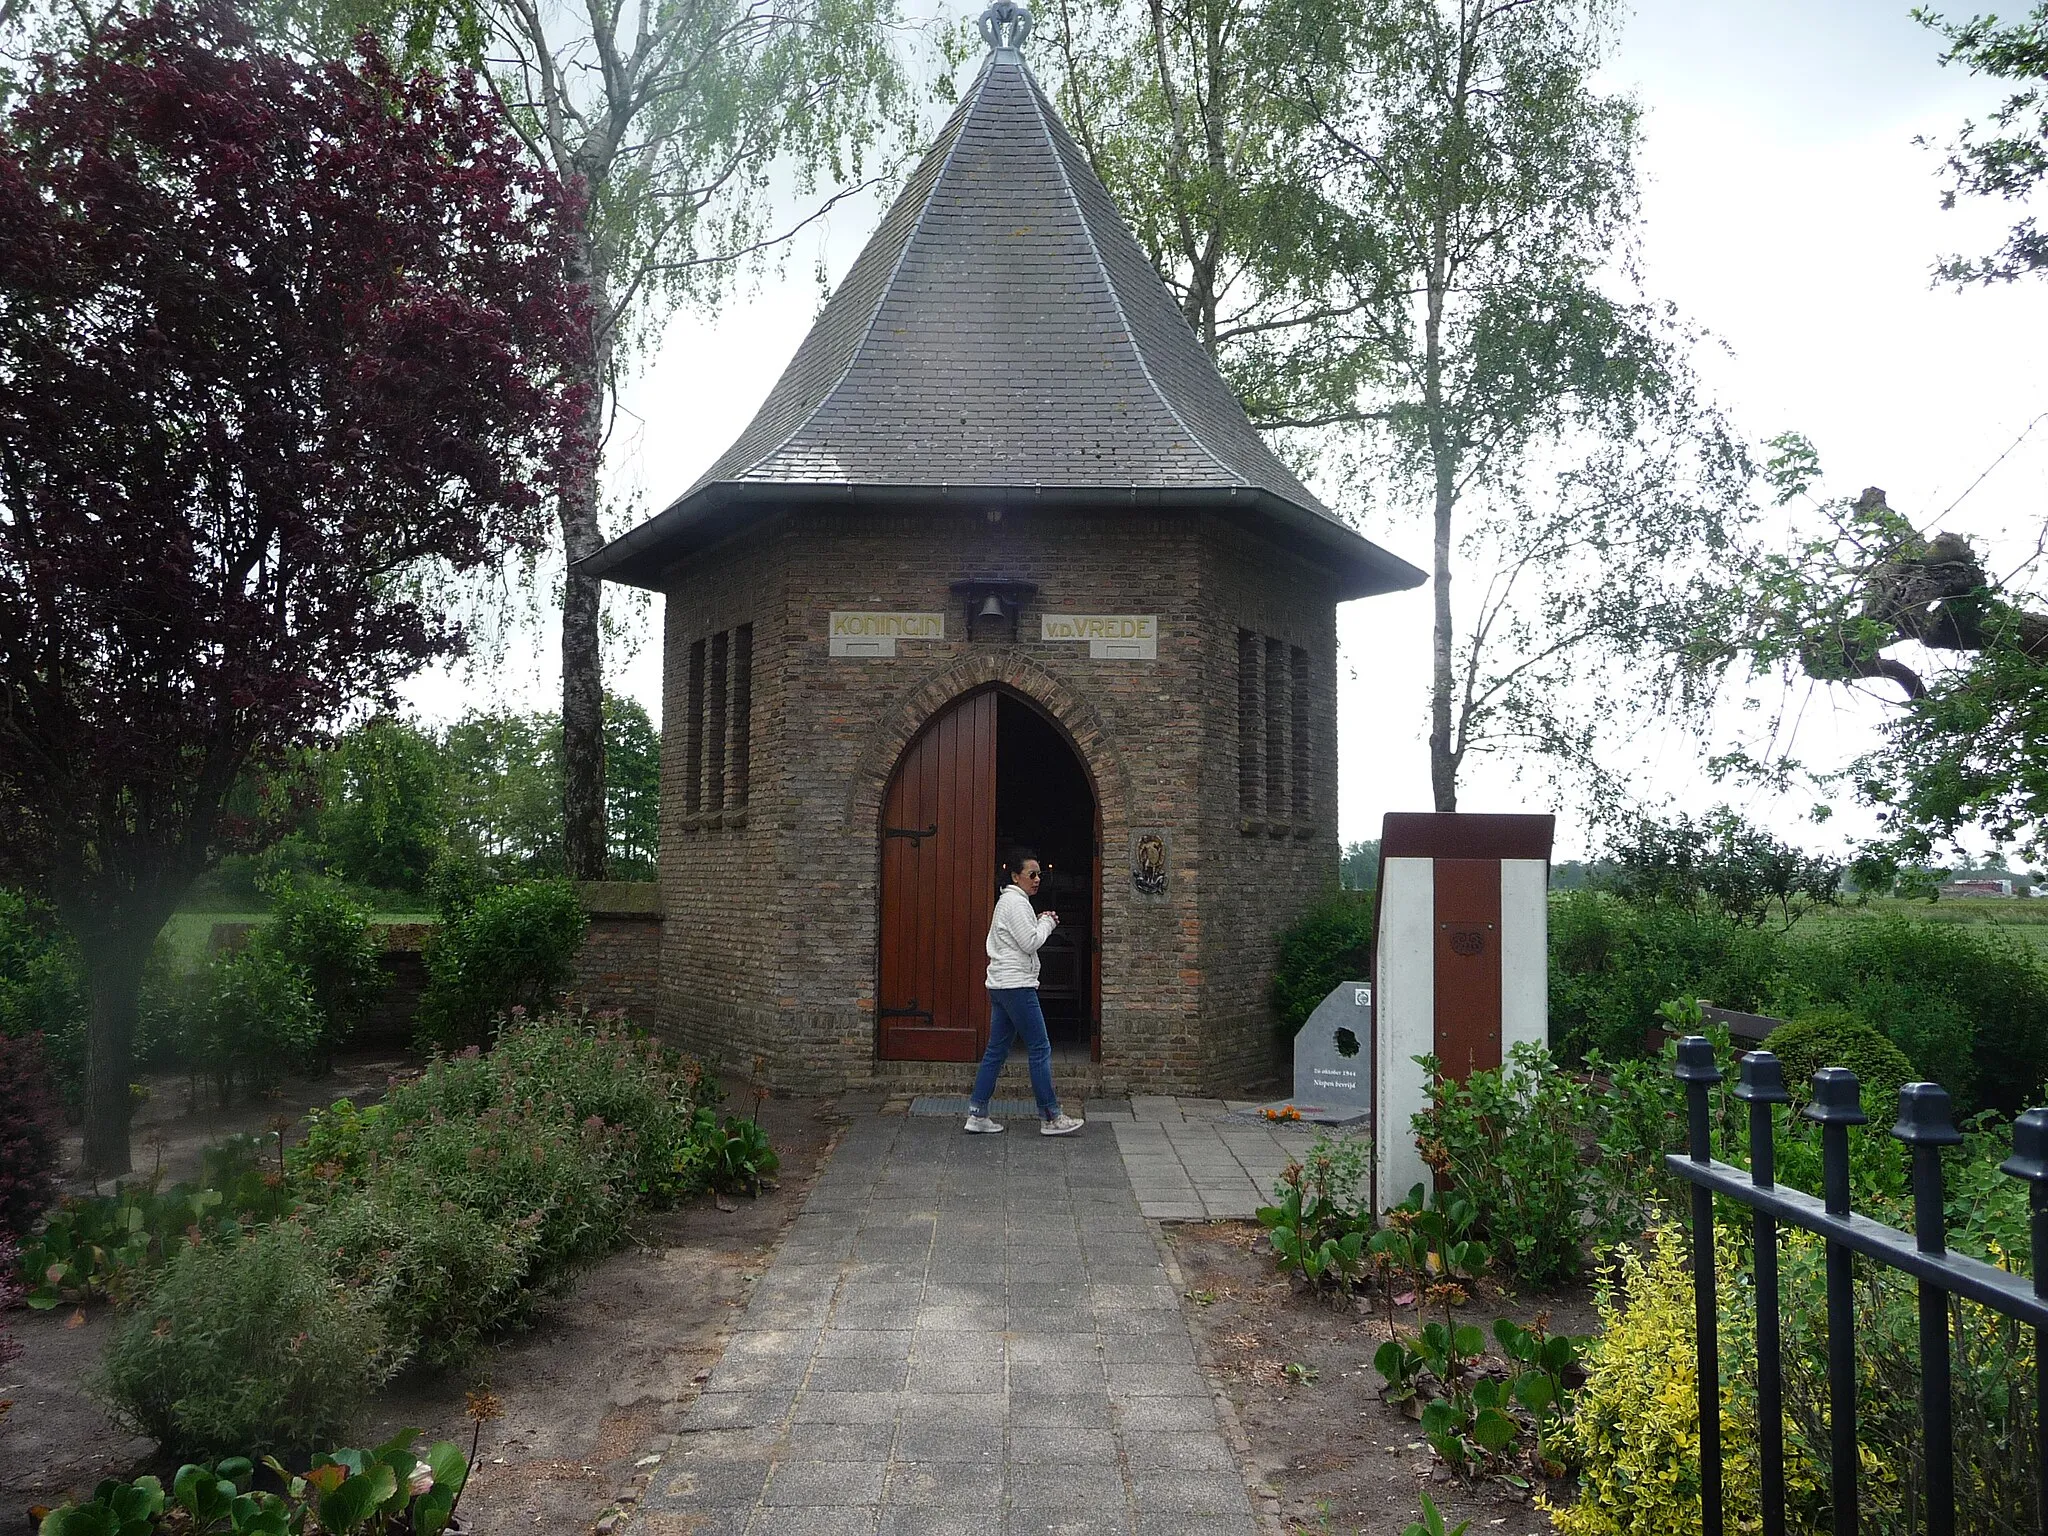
{"type": "Point", "coordinates": [616, 968]}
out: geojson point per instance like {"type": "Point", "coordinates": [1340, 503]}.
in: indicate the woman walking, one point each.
{"type": "Point", "coordinates": [1015, 933]}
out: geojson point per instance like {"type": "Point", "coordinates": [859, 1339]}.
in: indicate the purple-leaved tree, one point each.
{"type": "Point", "coordinates": [278, 343]}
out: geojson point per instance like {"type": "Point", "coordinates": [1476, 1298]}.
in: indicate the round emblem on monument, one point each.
{"type": "Point", "coordinates": [1468, 941]}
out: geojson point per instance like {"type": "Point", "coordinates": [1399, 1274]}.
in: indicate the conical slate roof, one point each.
{"type": "Point", "coordinates": [1001, 334]}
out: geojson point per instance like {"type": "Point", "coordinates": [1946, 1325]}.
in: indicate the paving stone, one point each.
{"type": "Point", "coordinates": [839, 1442]}
{"type": "Point", "coordinates": [984, 1349]}
{"type": "Point", "coordinates": [1130, 1379]}
{"type": "Point", "coordinates": [1176, 1523]}
{"type": "Point", "coordinates": [846, 1408]}
{"type": "Point", "coordinates": [923, 1442]}
{"type": "Point", "coordinates": [1053, 1446]}
{"type": "Point", "coordinates": [824, 1484]}
{"type": "Point", "coordinates": [1068, 1347]}
{"type": "Point", "coordinates": [798, 1520]}
{"type": "Point", "coordinates": [1055, 1487]}
{"type": "Point", "coordinates": [956, 1408]}
{"type": "Point", "coordinates": [1156, 1412]}
{"type": "Point", "coordinates": [1189, 1492]}
{"type": "Point", "coordinates": [1149, 1348]}
{"type": "Point", "coordinates": [1179, 1452]}
{"type": "Point", "coordinates": [844, 1375]}
{"type": "Point", "coordinates": [865, 1344]}
{"type": "Point", "coordinates": [898, 1521]}
{"type": "Point", "coordinates": [726, 1485]}
{"type": "Point", "coordinates": [953, 1485]}
{"type": "Point", "coordinates": [954, 1376]}
{"type": "Point", "coordinates": [1069, 1410]}
{"type": "Point", "coordinates": [1068, 1522]}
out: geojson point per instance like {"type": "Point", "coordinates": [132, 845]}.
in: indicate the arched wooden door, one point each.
{"type": "Point", "coordinates": [938, 888]}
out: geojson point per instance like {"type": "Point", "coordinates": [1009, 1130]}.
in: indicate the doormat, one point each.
{"type": "Point", "coordinates": [930, 1104]}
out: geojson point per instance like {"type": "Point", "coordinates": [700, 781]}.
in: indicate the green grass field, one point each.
{"type": "Point", "coordinates": [2025, 919]}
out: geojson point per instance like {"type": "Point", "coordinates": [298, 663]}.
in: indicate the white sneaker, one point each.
{"type": "Point", "coordinates": [1062, 1125]}
{"type": "Point", "coordinates": [981, 1125]}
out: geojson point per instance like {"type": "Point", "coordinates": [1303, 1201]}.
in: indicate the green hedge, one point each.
{"type": "Point", "coordinates": [1966, 1004]}
{"type": "Point", "coordinates": [1330, 944]}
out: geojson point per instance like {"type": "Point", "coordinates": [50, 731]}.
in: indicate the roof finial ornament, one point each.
{"type": "Point", "coordinates": [1005, 24]}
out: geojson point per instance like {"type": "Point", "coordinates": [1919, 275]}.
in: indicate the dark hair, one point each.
{"type": "Point", "coordinates": [1013, 866]}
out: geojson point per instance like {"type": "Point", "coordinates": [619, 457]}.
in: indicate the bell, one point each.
{"type": "Point", "coordinates": [991, 608]}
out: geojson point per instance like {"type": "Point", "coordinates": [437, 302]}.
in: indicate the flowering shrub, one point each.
{"type": "Point", "coordinates": [246, 1347]}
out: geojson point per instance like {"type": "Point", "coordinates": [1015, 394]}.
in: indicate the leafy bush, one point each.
{"type": "Point", "coordinates": [442, 1276]}
{"type": "Point", "coordinates": [1968, 1004]}
{"type": "Point", "coordinates": [42, 988]}
{"type": "Point", "coordinates": [253, 1020]}
{"type": "Point", "coordinates": [1634, 1430]}
{"type": "Point", "coordinates": [1330, 944]}
{"type": "Point", "coordinates": [29, 1131]}
{"type": "Point", "coordinates": [1319, 1222]}
{"type": "Point", "coordinates": [245, 1347]}
{"type": "Point", "coordinates": [1612, 964]}
{"type": "Point", "coordinates": [473, 1190]}
{"type": "Point", "coordinates": [105, 1246]}
{"type": "Point", "coordinates": [376, 1492]}
{"type": "Point", "coordinates": [515, 947]}
{"type": "Point", "coordinates": [1508, 1141]}
{"type": "Point", "coordinates": [1836, 1037]}
{"type": "Point", "coordinates": [1549, 1159]}
{"type": "Point", "coordinates": [595, 1067]}
{"type": "Point", "coordinates": [326, 936]}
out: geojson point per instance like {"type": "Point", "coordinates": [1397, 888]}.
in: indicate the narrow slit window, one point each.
{"type": "Point", "coordinates": [1249, 722]}
{"type": "Point", "coordinates": [742, 714]}
{"type": "Point", "coordinates": [693, 735]}
{"type": "Point", "coordinates": [714, 724]}
{"type": "Point", "coordinates": [1276, 726]}
{"type": "Point", "coordinates": [1298, 733]}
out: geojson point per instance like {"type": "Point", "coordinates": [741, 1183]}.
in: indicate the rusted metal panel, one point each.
{"type": "Point", "coordinates": [1467, 966]}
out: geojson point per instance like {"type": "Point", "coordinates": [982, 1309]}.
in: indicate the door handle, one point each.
{"type": "Point", "coordinates": [916, 837]}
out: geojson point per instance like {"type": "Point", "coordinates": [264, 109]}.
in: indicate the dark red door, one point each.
{"type": "Point", "coordinates": [938, 888]}
{"type": "Point", "coordinates": [1467, 966]}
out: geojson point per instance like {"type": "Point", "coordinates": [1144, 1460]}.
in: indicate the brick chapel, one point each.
{"type": "Point", "coordinates": [1000, 560]}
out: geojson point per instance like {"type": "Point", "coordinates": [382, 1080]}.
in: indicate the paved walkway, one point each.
{"type": "Point", "coordinates": [1193, 1158]}
{"type": "Point", "coordinates": [960, 1335]}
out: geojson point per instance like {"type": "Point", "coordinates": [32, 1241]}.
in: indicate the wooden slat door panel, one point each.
{"type": "Point", "coordinates": [938, 888]}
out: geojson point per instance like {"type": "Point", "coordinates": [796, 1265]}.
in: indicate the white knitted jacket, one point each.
{"type": "Point", "coordinates": [1014, 934]}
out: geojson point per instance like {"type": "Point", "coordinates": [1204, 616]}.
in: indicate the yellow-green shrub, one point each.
{"type": "Point", "coordinates": [1634, 1430]}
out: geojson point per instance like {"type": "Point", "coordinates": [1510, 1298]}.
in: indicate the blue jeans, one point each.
{"type": "Point", "coordinates": [1014, 1011]}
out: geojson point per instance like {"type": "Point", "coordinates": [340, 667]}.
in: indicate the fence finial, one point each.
{"type": "Point", "coordinates": [2029, 1158]}
{"type": "Point", "coordinates": [1696, 1061]}
{"type": "Point", "coordinates": [1763, 1079]}
{"type": "Point", "coordinates": [1837, 1098]}
{"type": "Point", "coordinates": [1925, 1119]}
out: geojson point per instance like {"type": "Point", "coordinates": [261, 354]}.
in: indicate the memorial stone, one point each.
{"type": "Point", "coordinates": [1333, 1057]}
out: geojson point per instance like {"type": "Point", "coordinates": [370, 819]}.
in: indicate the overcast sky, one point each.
{"type": "Point", "coordinates": [1787, 210]}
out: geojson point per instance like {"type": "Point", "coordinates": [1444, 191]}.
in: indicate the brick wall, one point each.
{"type": "Point", "coordinates": [768, 949]}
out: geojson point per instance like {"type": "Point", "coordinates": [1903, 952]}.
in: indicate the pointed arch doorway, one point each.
{"type": "Point", "coordinates": [989, 771]}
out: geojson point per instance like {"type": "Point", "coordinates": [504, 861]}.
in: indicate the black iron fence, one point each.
{"type": "Point", "coordinates": [1925, 1125]}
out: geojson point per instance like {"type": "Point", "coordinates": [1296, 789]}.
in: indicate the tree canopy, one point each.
{"type": "Point", "coordinates": [2006, 157]}
{"type": "Point", "coordinates": [1406, 230]}
{"type": "Point", "coordinates": [275, 341]}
